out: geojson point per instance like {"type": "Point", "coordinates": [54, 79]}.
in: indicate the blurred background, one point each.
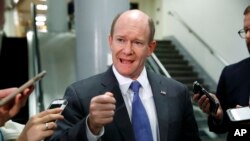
{"type": "Point", "coordinates": [68, 39]}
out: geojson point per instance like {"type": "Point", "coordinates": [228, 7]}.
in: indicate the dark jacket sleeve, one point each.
{"type": "Point", "coordinates": [220, 126]}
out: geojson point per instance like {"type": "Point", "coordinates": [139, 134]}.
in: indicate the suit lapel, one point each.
{"type": "Point", "coordinates": [121, 117]}
{"type": "Point", "coordinates": [160, 95]}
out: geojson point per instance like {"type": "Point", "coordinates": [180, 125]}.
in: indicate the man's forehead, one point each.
{"type": "Point", "coordinates": [247, 20]}
{"type": "Point", "coordinates": [134, 14]}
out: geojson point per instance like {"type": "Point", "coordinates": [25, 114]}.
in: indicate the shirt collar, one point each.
{"type": "Point", "coordinates": [124, 82]}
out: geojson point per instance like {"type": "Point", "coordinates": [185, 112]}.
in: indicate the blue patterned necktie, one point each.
{"type": "Point", "coordinates": [1, 136]}
{"type": "Point", "coordinates": [140, 121]}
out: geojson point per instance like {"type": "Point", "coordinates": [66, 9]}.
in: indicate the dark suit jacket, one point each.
{"type": "Point", "coordinates": [233, 89]}
{"type": "Point", "coordinates": [174, 110]}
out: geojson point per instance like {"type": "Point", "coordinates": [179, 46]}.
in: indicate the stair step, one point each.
{"type": "Point", "coordinates": [174, 53]}
{"type": "Point", "coordinates": [173, 61]}
{"type": "Point", "coordinates": [187, 79]}
{"type": "Point", "coordinates": [166, 51]}
{"type": "Point", "coordinates": [178, 67]}
{"type": "Point", "coordinates": [163, 42]}
{"type": "Point", "coordinates": [182, 73]}
{"type": "Point", "coordinates": [169, 56]}
{"type": "Point", "coordinates": [165, 47]}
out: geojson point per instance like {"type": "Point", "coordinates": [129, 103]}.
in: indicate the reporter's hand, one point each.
{"type": "Point", "coordinates": [10, 109]}
{"type": "Point", "coordinates": [101, 111]}
{"type": "Point", "coordinates": [204, 104]}
{"type": "Point", "coordinates": [41, 125]}
{"type": "Point", "coordinates": [244, 123]}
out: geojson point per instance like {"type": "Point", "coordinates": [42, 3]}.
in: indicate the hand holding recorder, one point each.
{"type": "Point", "coordinates": [43, 122]}
{"type": "Point", "coordinates": [10, 109]}
{"type": "Point", "coordinates": [13, 99]}
{"type": "Point", "coordinates": [206, 101]}
{"type": "Point", "coordinates": [30, 83]}
{"type": "Point", "coordinates": [41, 125]}
{"type": "Point", "coordinates": [239, 114]}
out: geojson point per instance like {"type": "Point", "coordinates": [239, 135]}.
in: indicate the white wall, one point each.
{"type": "Point", "coordinates": [154, 9]}
{"type": "Point", "coordinates": [215, 21]}
{"type": "Point", "coordinates": [10, 25]}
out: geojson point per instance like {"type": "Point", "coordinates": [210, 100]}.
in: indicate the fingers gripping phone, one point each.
{"type": "Point", "coordinates": [239, 114]}
{"type": "Point", "coordinates": [58, 103]}
{"type": "Point", "coordinates": [32, 81]}
{"type": "Point", "coordinates": [197, 88]}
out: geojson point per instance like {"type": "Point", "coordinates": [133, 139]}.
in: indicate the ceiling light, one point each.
{"type": "Point", "coordinates": [40, 23]}
{"type": "Point", "coordinates": [16, 1]}
{"type": "Point", "coordinates": [41, 18]}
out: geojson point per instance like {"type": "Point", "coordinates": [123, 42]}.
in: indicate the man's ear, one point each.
{"type": "Point", "coordinates": [110, 41]}
{"type": "Point", "coordinates": [151, 46]}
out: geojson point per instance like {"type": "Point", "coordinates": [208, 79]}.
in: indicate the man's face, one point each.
{"type": "Point", "coordinates": [130, 45]}
{"type": "Point", "coordinates": [247, 27]}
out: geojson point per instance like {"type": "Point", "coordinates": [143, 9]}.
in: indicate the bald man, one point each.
{"type": "Point", "coordinates": [102, 107]}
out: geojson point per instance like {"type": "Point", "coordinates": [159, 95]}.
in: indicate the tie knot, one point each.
{"type": "Point", "coordinates": [135, 86]}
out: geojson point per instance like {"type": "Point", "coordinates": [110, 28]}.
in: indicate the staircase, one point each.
{"type": "Point", "coordinates": [180, 70]}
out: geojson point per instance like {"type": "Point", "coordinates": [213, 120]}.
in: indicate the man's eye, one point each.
{"type": "Point", "coordinates": [120, 40]}
{"type": "Point", "coordinates": [138, 43]}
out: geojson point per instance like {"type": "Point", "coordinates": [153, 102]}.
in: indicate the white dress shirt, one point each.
{"type": "Point", "coordinates": [11, 130]}
{"type": "Point", "coordinates": [146, 96]}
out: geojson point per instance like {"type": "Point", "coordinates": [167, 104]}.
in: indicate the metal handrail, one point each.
{"type": "Point", "coordinates": [219, 57]}
{"type": "Point", "coordinates": [160, 65]}
{"type": "Point", "coordinates": [35, 100]}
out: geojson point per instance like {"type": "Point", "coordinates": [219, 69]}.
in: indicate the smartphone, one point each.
{"type": "Point", "coordinates": [214, 105]}
{"type": "Point", "coordinates": [32, 81]}
{"type": "Point", "coordinates": [58, 103]}
{"type": "Point", "coordinates": [239, 114]}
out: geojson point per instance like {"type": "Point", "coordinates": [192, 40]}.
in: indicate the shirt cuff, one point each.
{"type": "Point", "coordinates": [90, 135]}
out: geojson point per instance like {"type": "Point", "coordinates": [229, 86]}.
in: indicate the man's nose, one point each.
{"type": "Point", "coordinates": [128, 49]}
{"type": "Point", "coordinates": [248, 34]}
